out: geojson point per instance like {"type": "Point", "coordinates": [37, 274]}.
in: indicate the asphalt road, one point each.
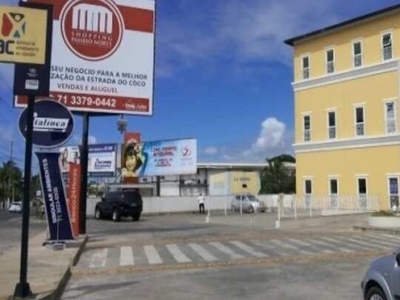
{"type": "Point", "coordinates": [10, 230]}
{"type": "Point", "coordinates": [311, 281]}
{"type": "Point", "coordinates": [182, 257]}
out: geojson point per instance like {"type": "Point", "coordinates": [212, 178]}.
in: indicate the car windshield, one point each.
{"type": "Point", "coordinates": [252, 198]}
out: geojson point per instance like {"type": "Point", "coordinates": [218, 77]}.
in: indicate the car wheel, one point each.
{"type": "Point", "coordinates": [115, 215]}
{"type": "Point", "coordinates": [251, 209]}
{"type": "Point", "coordinates": [97, 214]}
{"type": "Point", "coordinates": [375, 293]}
{"type": "Point", "coordinates": [136, 217]}
{"type": "Point", "coordinates": [232, 208]}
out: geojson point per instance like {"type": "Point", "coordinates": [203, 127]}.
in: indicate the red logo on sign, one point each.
{"type": "Point", "coordinates": [186, 151]}
{"type": "Point", "coordinates": [92, 29]}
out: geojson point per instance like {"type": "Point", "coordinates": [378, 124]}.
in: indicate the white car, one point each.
{"type": "Point", "coordinates": [15, 207]}
{"type": "Point", "coordinates": [247, 203]}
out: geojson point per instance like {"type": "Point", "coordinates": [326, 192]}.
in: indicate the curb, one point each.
{"type": "Point", "coordinates": [57, 293]}
{"type": "Point", "coordinates": [387, 230]}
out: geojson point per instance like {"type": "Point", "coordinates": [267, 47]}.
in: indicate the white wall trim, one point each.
{"type": "Point", "coordinates": [360, 142]}
{"type": "Point", "coordinates": [350, 74]}
{"type": "Point", "coordinates": [392, 175]}
{"type": "Point", "coordinates": [333, 176]}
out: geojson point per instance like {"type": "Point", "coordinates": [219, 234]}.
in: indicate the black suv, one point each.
{"type": "Point", "coordinates": [114, 205]}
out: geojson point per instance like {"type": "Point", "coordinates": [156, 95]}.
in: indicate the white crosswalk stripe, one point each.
{"type": "Point", "coordinates": [152, 255]}
{"type": "Point", "coordinates": [248, 249]}
{"type": "Point", "coordinates": [325, 244]}
{"type": "Point", "coordinates": [302, 243]}
{"type": "Point", "coordinates": [289, 246]}
{"type": "Point", "coordinates": [99, 258]}
{"type": "Point", "coordinates": [177, 253]}
{"type": "Point", "coordinates": [382, 239]}
{"type": "Point", "coordinates": [392, 237]}
{"type": "Point", "coordinates": [366, 245]}
{"type": "Point", "coordinates": [126, 256]}
{"type": "Point", "coordinates": [226, 250]}
{"type": "Point", "coordinates": [267, 245]}
{"type": "Point", "coordinates": [202, 252]}
{"type": "Point", "coordinates": [341, 248]}
{"type": "Point", "coordinates": [377, 242]}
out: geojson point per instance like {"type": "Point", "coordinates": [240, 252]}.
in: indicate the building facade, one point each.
{"type": "Point", "coordinates": [346, 95]}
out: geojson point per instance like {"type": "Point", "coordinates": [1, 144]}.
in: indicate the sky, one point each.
{"type": "Point", "coordinates": [223, 76]}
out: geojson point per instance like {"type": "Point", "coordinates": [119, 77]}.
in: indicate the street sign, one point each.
{"type": "Point", "coordinates": [53, 124]}
{"type": "Point", "coordinates": [22, 35]}
{"type": "Point", "coordinates": [103, 56]}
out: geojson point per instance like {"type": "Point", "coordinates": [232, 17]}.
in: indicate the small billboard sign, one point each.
{"type": "Point", "coordinates": [169, 157]}
{"type": "Point", "coordinates": [102, 56]}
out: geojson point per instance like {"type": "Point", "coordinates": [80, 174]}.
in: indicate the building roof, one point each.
{"type": "Point", "coordinates": [293, 40]}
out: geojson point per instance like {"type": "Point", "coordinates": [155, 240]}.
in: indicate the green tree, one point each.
{"type": "Point", "coordinates": [11, 179]}
{"type": "Point", "coordinates": [276, 178]}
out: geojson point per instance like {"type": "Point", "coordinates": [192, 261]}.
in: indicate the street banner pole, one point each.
{"type": "Point", "coordinates": [23, 289]}
{"type": "Point", "coordinates": [84, 171]}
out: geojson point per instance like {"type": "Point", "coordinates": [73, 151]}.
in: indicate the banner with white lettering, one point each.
{"type": "Point", "coordinates": [58, 220]}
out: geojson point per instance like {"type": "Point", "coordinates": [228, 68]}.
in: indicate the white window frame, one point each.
{"type": "Point", "coordinates": [355, 119]}
{"type": "Point", "coordinates": [326, 60]}
{"type": "Point", "coordinates": [385, 102]}
{"type": "Point", "coordinates": [328, 111]}
{"type": "Point", "coordinates": [305, 55]}
{"type": "Point", "coordinates": [352, 52]}
{"type": "Point", "coordinates": [304, 127]}
{"type": "Point", "coordinates": [382, 46]}
{"type": "Point", "coordinates": [388, 177]}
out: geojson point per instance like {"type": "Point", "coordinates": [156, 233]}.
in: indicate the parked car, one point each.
{"type": "Point", "coordinates": [249, 203]}
{"type": "Point", "coordinates": [15, 207]}
{"type": "Point", "coordinates": [114, 205]}
{"type": "Point", "coordinates": [382, 279]}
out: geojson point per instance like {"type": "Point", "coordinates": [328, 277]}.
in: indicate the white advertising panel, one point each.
{"type": "Point", "coordinates": [103, 55]}
{"type": "Point", "coordinates": [171, 157]}
{"type": "Point", "coordinates": [102, 159]}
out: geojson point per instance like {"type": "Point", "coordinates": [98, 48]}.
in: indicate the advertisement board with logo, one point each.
{"type": "Point", "coordinates": [102, 159]}
{"type": "Point", "coordinates": [170, 157]}
{"type": "Point", "coordinates": [103, 55]}
{"type": "Point", "coordinates": [53, 124]}
{"type": "Point", "coordinates": [22, 35]}
{"type": "Point", "coordinates": [101, 162]}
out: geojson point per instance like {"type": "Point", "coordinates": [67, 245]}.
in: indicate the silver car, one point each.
{"type": "Point", "coordinates": [382, 280]}
{"type": "Point", "coordinates": [247, 203]}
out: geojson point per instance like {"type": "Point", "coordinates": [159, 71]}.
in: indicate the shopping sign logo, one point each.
{"type": "Point", "coordinates": [92, 29]}
{"type": "Point", "coordinates": [45, 124]}
{"type": "Point", "coordinates": [13, 25]}
{"type": "Point", "coordinates": [186, 151]}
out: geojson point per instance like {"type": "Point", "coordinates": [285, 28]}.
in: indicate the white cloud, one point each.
{"type": "Point", "coordinates": [92, 139]}
{"type": "Point", "coordinates": [228, 157]}
{"type": "Point", "coordinates": [211, 150]}
{"type": "Point", "coordinates": [271, 136]}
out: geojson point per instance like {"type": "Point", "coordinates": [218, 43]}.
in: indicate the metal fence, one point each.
{"type": "Point", "coordinates": [310, 206]}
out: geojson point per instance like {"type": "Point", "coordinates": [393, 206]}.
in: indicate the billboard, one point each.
{"type": "Point", "coordinates": [170, 157]}
{"type": "Point", "coordinates": [22, 35]}
{"type": "Point", "coordinates": [102, 55]}
{"type": "Point", "coordinates": [102, 159]}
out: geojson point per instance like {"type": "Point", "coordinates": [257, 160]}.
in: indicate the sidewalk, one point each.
{"type": "Point", "coordinates": [47, 268]}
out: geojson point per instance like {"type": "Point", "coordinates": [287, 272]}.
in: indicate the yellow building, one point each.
{"type": "Point", "coordinates": [346, 90]}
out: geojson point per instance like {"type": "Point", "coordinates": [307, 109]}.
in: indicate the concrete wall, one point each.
{"type": "Point", "coordinates": [153, 205]}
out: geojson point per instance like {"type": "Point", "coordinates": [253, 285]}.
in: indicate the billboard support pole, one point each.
{"type": "Point", "coordinates": [22, 289]}
{"type": "Point", "coordinates": [84, 171]}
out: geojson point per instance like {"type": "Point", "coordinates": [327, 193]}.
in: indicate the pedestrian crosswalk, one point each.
{"type": "Point", "coordinates": [228, 250]}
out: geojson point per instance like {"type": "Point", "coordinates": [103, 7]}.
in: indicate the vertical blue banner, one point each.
{"type": "Point", "coordinates": [58, 221]}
